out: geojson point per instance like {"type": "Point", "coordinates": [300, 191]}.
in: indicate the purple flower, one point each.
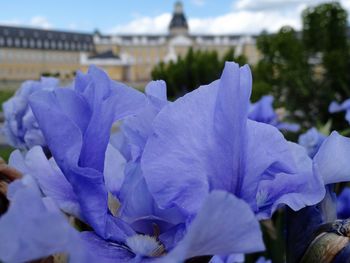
{"type": "Point", "coordinates": [345, 106]}
{"type": "Point", "coordinates": [97, 179]}
{"type": "Point", "coordinates": [34, 227]}
{"type": "Point", "coordinates": [20, 127]}
{"type": "Point", "coordinates": [262, 111]}
{"type": "Point", "coordinates": [204, 141]}
{"type": "Point", "coordinates": [217, 210]}
{"type": "Point", "coordinates": [311, 141]}
{"type": "Point", "coordinates": [331, 164]}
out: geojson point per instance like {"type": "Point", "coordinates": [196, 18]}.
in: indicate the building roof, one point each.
{"type": "Point", "coordinates": [105, 55]}
{"type": "Point", "coordinates": [178, 20]}
{"type": "Point", "coordinates": [22, 37]}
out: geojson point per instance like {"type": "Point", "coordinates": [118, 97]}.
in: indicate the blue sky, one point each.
{"type": "Point", "coordinates": [141, 16]}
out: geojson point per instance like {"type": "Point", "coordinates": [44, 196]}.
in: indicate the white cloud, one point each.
{"type": "Point", "coordinates": [35, 21]}
{"type": "Point", "coordinates": [245, 17]}
{"type": "Point", "coordinates": [261, 5]}
{"type": "Point", "coordinates": [149, 25]}
{"type": "Point", "coordinates": [40, 21]}
{"type": "Point", "coordinates": [242, 22]}
{"type": "Point", "coordinates": [239, 22]}
{"type": "Point", "coordinates": [346, 5]}
{"type": "Point", "coordinates": [198, 2]}
{"type": "Point", "coordinates": [73, 26]}
{"type": "Point", "coordinates": [11, 22]}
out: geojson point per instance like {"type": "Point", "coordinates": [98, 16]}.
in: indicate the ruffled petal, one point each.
{"type": "Point", "coordinates": [33, 228]}
{"type": "Point", "coordinates": [176, 159]}
{"type": "Point", "coordinates": [332, 160]}
{"type": "Point", "coordinates": [49, 177]}
{"type": "Point", "coordinates": [297, 189]}
{"type": "Point", "coordinates": [262, 111]}
{"type": "Point", "coordinates": [139, 208]}
{"type": "Point", "coordinates": [138, 128]}
{"type": "Point", "coordinates": [156, 93]}
{"type": "Point", "coordinates": [268, 155]}
{"type": "Point", "coordinates": [80, 142]}
{"type": "Point", "coordinates": [311, 141]}
{"type": "Point", "coordinates": [106, 251]}
{"type": "Point", "coordinates": [224, 225]}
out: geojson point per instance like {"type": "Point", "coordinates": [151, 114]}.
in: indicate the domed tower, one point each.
{"type": "Point", "coordinates": [178, 24]}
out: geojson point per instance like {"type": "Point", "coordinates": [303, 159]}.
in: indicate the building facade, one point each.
{"type": "Point", "coordinates": [29, 53]}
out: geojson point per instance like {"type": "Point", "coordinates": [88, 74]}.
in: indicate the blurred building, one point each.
{"type": "Point", "coordinates": [28, 53]}
{"type": "Point", "coordinates": [140, 53]}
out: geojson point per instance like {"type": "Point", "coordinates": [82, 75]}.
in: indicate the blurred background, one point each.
{"type": "Point", "coordinates": [298, 50]}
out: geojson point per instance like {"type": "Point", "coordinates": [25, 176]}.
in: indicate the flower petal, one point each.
{"type": "Point", "coordinates": [335, 107]}
{"type": "Point", "coordinates": [50, 179]}
{"type": "Point", "coordinates": [138, 207]}
{"type": "Point", "coordinates": [224, 225]}
{"type": "Point", "coordinates": [262, 111]}
{"type": "Point", "coordinates": [30, 232]}
{"type": "Point", "coordinates": [175, 162]}
{"type": "Point", "coordinates": [156, 93]}
{"type": "Point", "coordinates": [268, 154]}
{"type": "Point", "coordinates": [104, 250]}
{"type": "Point", "coordinates": [79, 146]}
{"type": "Point", "coordinates": [200, 157]}
{"type": "Point", "coordinates": [114, 170]}
{"type": "Point", "coordinates": [297, 189]}
{"type": "Point", "coordinates": [332, 160]}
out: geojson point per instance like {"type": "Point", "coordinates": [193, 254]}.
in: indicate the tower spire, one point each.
{"type": "Point", "coordinates": [178, 24]}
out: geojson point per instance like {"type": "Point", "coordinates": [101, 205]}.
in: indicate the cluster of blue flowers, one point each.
{"type": "Point", "coordinates": [153, 180]}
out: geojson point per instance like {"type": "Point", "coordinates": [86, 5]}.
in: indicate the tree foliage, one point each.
{"type": "Point", "coordinates": [194, 69]}
{"type": "Point", "coordinates": [307, 70]}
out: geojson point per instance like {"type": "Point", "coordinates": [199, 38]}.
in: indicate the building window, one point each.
{"type": "Point", "coordinates": [39, 43]}
{"type": "Point", "coordinates": [53, 44]}
{"type": "Point", "coordinates": [2, 42]}
{"type": "Point", "coordinates": [46, 44]}
{"type": "Point", "coordinates": [17, 42]}
{"type": "Point", "coordinates": [9, 41]}
{"type": "Point", "coordinates": [24, 42]}
{"type": "Point", "coordinates": [32, 43]}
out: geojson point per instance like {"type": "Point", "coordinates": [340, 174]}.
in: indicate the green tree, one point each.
{"type": "Point", "coordinates": [284, 71]}
{"type": "Point", "coordinates": [194, 69]}
{"type": "Point", "coordinates": [325, 36]}
{"type": "Point", "coordinates": [306, 71]}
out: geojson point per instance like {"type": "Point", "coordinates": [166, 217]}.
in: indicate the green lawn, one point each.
{"type": "Point", "coordinates": [5, 95]}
